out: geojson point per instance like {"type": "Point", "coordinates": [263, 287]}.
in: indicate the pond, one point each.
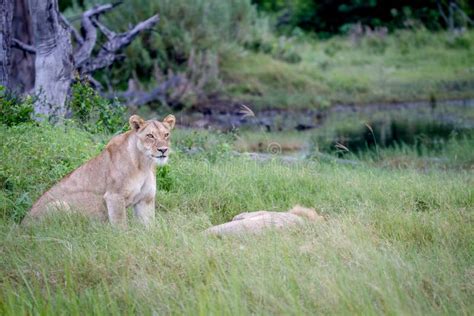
{"type": "Point", "coordinates": [421, 127]}
{"type": "Point", "coordinates": [355, 129]}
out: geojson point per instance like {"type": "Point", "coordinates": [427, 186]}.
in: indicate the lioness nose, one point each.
{"type": "Point", "coordinates": [162, 150]}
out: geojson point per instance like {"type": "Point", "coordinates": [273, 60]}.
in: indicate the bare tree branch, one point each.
{"type": "Point", "coordinates": [90, 38]}
{"type": "Point", "coordinates": [6, 35]}
{"type": "Point", "coordinates": [108, 33]}
{"type": "Point", "coordinates": [107, 53]}
{"type": "Point", "coordinates": [160, 93]}
{"type": "Point", "coordinates": [23, 46]}
{"type": "Point", "coordinates": [94, 83]}
{"type": "Point", "coordinates": [73, 30]}
{"type": "Point", "coordinates": [54, 63]}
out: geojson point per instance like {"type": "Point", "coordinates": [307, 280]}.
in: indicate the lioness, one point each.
{"type": "Point", "coordinates": [122, 175]}
{"type": "Point", "coordinates": [262, 221]}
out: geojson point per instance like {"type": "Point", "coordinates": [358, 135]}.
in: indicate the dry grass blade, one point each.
{"type": "Point", "coordinates": [370, 128]}
{"type": "Point", "coordinates": [341, 146]}
{"type": "Point", "coordinates": [245, 111]}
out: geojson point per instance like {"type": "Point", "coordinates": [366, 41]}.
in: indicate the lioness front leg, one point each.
{"type": "Point", "coordinates": [145, 211]}
{"type": "Point", "coordinates": [116, 209]}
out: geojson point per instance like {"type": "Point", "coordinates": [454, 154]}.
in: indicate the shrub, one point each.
{"type": "Point", "coordinates": [459, 42]}
{"type": "Point", "coordinates": [332, 48]}
{"type": "Point", "coordinates": [263, 41]}
{"type": "Point", "coordinates": [376, 45]}
{"type": "Point", "coordinates": [14, 110]}
{"type": "Point", "coordinates": [95, 113]}
{"type": "Point", "coordinates": [184, 26]}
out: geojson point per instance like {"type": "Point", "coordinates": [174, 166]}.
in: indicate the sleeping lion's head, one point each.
{"type": "Point", "coordinates": [153, 137]}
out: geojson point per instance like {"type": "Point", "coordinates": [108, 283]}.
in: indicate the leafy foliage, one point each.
{"type": "Point", "coordinates": [372, 67]}
{"type": "Point", "coordinates": [252, 63]}
{"type": "Point", "coordinates": [95, 113]}
{"type": "Point", "coordinates": [14, 110]}
{"type": "Point", "coordinates": [330, 17]}
{"type": "Point", "coordinates": [185, 27]}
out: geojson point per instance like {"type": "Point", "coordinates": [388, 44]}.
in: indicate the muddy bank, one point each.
{"type": "Point", "coordinates": [231, 115]}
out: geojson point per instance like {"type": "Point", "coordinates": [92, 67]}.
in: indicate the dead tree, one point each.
{"type": "Point", "coordinates": [56, 61]}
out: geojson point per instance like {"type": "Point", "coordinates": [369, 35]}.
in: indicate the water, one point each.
{"type": "Point", "coordinates": [354, 129]}
{"type": "Point", "coordinates": [390, 133]}
{"type": "Point", "coordinates": [345, 128]}
{"type": "Point", "coordinates": [421, 127]}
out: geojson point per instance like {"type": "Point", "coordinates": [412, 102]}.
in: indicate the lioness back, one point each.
{"type": "Point", "coordinates": [81, 189]}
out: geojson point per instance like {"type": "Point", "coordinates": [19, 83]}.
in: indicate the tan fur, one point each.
{"type": "Point", "coordinates": [308, 213]}
{"type": "Point", "coordinates": [122, 175]}
{"type": "Point", "coordinates": [261, 221]}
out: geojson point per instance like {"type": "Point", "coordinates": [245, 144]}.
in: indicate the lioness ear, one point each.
{"type": "Point", "coordinates": [135, 122]}
{"type": "Point", "coordinates": [170, 120]}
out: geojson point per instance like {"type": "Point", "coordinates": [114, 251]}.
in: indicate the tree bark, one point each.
{"type": "Point", "coordinates": [54, 63]}
{"type": "Point", "coordinates": [22, 79]}
{"type": "Point", "coordinates": [6, 15]}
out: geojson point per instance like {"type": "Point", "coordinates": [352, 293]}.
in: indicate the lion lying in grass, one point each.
{"type": "Point", "coordinates": [122, 175]}
{"type": "Point", "coordinates": [261, 221]}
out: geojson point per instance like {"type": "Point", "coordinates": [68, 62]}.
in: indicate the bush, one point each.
{"type": "Point", "coordinates": [184, 26]}
{"type": "Point", "coordinates": [14, 110]}
{"type": "Point", "coordinates": [262, 40]}
{"type": "Point", "coordinates": [459, 42]}
{"type": "Point", "coordinates": [95, 113]}
{"type": "Point", "coordinates": [376, 45]}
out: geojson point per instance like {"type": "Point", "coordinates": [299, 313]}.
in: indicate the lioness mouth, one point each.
{"type": "Point", "coordinates": [162, 156]}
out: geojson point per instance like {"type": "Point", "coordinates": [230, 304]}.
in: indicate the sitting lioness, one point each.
{"type": "Point", "coordinates": [122, 175]}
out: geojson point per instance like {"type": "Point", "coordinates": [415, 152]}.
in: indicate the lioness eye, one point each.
{"type": "Point", "coordinates": [149, 136]}
{"type": "Point", "coordinates": [167, 134]}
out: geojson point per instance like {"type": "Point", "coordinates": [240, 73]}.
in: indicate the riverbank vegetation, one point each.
{"type": "Point", "coordinates": [232, 51]}
{"type": "Point", "coordinates": [404, 66]}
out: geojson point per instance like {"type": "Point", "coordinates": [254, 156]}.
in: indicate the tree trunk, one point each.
{"type": "Point", "coordinates": [6, 13]}
{"type": "Point", "coordinates": [22, 78]}
{"type": "Point", "coordinates": [54, 63]}
{"type": "Point", "coordinates": [43, 54]}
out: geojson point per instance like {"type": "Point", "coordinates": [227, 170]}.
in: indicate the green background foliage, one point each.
{"type": "Point", "coordinates": [329, 17]}
{"type": "Point", "coordinates": [241, 51]}
{"type": "Point", "coordinates": [13, 109]}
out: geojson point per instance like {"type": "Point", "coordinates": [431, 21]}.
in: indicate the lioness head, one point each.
{"type": "Point", "coordinates": [153, 137]}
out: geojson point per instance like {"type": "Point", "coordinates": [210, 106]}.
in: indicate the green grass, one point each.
{"type": "Point", "coordinates": [405, 66]}
{"type": "Point", "coordinates": [396, 240]}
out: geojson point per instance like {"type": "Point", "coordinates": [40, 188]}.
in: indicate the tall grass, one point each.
{"type": "Point", "coordinates": [395, 240]}
{"type": "Point", "coordinates": [405, 66]}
